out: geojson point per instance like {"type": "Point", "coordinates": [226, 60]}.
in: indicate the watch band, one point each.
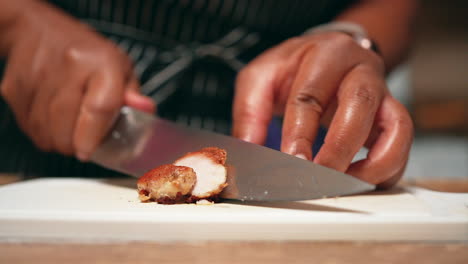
{"type": "Point", "coordinates": [354, 30]}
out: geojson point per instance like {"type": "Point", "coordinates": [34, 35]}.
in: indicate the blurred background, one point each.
{"type": "Point", "coordinates": [434, 86]}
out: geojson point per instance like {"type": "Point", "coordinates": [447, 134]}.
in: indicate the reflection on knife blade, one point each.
{"type": "Point", "coordinates": [139, 142]}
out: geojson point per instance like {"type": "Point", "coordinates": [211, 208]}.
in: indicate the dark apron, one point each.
{"type": "Point", "coordinates": [200, 93]}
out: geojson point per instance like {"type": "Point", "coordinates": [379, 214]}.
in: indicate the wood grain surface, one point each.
{"type": "Point", "coordinates": [251, 252]}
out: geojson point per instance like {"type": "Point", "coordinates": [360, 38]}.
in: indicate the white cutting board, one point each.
{"type": "Point", "coordinates": [94, 210]}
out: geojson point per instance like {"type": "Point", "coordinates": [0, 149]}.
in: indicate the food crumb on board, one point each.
{"type": "Point", "coordinates": [204, 202]}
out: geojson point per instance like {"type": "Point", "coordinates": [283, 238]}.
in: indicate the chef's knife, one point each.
{"type": "Point", "coordinates": [139, 142]}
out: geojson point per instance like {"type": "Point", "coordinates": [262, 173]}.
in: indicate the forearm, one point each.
{"type": "Point", "coordinates": [388, 23]}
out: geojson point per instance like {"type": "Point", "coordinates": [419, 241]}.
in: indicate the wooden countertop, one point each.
{"type": "Point", "coordinates": [236, 252]}
{"type": "Point", "coordinates": [243, 252]}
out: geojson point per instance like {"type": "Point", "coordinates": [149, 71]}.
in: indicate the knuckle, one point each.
{"type": "Point", "coordinates": [242, 113]}
{"type": "Point", "coordinates": [308, 100]}
{"type": "Point", "coordinates": [340, 148]}
{"type": "Point", "coordinates": [72, 54]}
{"type": "Point", "coordinates": [365, 94]}
{"type": "Point", "coordinates": [304, 140]}
{"type": "Point", "coordinates": [246, 115]}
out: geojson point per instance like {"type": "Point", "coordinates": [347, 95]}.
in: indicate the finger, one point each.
{"type": "Point", "coordinates": [135, 99]}
{"type": "Point", "coordinates": [262, 88]}
{"type": "Point", "coordinates": [253, 103]}
{"type": "Point", "coordinates": [63, 112]}
{"type": "Point", "coordinates": [64, 107]}
{"type": "Point", "coordinates": [359, 97]}
{"type": "Point", "coordinates": [99, 108]}
{"type": "Point", "coordinates": [387, 157]}
{"type": "Point", "coordinates": [38, 119]}
{"type": "Point", "coordinates": [312, 90]}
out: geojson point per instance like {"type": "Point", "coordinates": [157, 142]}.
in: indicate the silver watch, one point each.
{"type": "Point", "coordinates": [354, 30]}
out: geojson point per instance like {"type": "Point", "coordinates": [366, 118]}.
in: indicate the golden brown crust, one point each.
{"type": "Point", "coordinates": [163, 171]}
{"type": "Point", "coordinates": [166, 184]}
{"type": "Point", "coordinates": [216, 154]}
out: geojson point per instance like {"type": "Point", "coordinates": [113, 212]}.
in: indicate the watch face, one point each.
{"type": "Point", "coordinates": [364, 42]}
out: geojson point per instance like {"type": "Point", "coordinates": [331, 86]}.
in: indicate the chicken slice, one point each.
{"type": "Point", "coordinates": [167, 184]}
{"type": "Point", "coordinates": [208, 164]}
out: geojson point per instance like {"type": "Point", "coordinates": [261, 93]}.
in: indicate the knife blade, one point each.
{"type": "Point", "coordinates": [139, 142]}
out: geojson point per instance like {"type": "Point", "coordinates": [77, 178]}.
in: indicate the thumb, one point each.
{"type": "Point", "coordinates": [253, 104]}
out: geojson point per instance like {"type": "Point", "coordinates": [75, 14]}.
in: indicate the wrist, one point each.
{"type": "Point", "coordinates": [355, 31]}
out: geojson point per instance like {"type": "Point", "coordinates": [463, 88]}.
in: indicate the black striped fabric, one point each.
{"type": "Point", "coordinates": [186, 54]}
{"type": "Point", "coordinates": [207, 20]}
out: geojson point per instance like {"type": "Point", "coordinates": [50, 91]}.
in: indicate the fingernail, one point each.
{"type": "Point", "coordinates": [301, 156]}
{"type": "Point", "coordinates": [247, 138]}
{"type": "Point", "coordinates": [243, 137]}
{"type": "Point", "coordinates": [82, 156]}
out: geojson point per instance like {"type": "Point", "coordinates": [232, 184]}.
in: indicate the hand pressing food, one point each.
{"type": "Point", "coordinates": [196, 176]}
